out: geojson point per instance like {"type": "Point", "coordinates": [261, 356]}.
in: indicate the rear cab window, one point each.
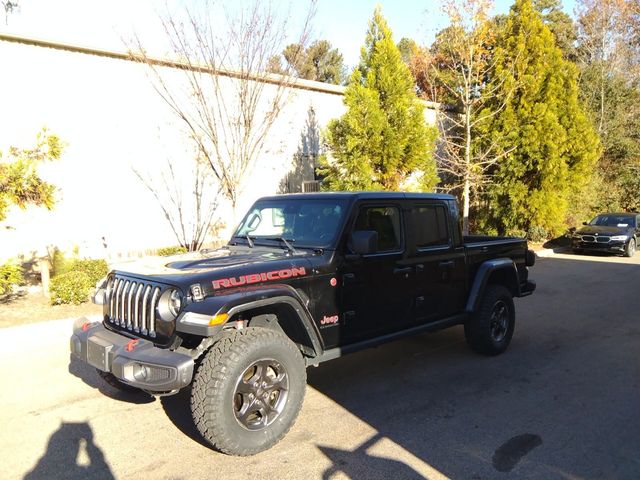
{"type": "Point", "coordinates": [430, 226]}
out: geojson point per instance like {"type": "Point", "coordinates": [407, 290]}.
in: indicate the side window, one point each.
{"type": "Point", "coordinates": [430, 226]}
{"type": "Point", "coordinates": [385, 221]}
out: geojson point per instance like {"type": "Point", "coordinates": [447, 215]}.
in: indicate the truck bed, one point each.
{"type": "Point", "coordinates": [480, 248]}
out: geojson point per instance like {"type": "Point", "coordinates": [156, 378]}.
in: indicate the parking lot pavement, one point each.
{"type": "Point", "coordinates": [563, 402]}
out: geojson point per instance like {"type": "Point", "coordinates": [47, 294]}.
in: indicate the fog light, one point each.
{"type": "Point", "coordinates": [150, 373]}
{"type": "Point", "coordinates": [99, 297]}
{"type": "Point", "coordinates": [140, 372]}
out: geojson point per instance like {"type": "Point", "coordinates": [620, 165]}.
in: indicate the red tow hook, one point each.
{"type": "Point", "coordinates": [131, 345]}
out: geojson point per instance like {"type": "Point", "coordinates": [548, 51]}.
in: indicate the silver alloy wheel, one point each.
{"type": "Point", "coordinates": [632, 247]}
{"type": "Point", "coordinates": [499, 325]}
{"type": "Point", "coordinates": [261, 394]}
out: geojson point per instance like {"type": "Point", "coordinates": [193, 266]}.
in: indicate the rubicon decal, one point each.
{"type": "Point", "coordinates": [258, 277]}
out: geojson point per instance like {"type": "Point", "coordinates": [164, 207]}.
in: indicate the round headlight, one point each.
{"type": "Point", "coordinates": [102, 283]}
{"type": "Point", "coordinates": [169, 305]}
{"type": "Point", "coordinates": [175, 302]}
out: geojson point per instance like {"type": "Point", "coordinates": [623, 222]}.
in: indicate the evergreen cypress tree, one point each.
{"type": "Point", "coordinates": [382, 141]}
{"type": "Point", "coordinates": [556, 146]}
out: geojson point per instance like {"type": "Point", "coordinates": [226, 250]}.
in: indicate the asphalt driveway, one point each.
{"type": "Point", "coordinates": [563, 402]}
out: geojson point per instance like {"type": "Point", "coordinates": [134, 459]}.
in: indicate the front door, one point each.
{"type": "Point", "coordinates": [376, 295]}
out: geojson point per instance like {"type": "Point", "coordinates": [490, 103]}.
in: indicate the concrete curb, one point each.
{"type": "Point", "coordinates": [548, 252]}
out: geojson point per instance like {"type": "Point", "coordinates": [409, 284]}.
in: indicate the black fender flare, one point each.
{"type": "Point", "coordinates": [483, 274]}
{"type": "Point", "coordinates": [195, 319]}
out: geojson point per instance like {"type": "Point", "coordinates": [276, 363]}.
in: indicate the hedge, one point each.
{"type": "Point", "coordinates": [76, 284]}
{"type": "Point", "coordinates": [168, 251]}
{"type": "Point", "coordinates": [10, 276]}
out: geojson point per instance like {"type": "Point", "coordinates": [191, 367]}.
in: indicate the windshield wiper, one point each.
{"type": "Point", "coordinates": [248, 238]}
{"type": "Point", "coordinates": [286, 242]}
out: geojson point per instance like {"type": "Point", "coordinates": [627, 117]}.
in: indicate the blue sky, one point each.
{"type": "Point", "coordinates": [342, 22]}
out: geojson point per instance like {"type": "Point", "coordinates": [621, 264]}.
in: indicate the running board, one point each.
{"type": "Point", "coordinates": [338, 352]}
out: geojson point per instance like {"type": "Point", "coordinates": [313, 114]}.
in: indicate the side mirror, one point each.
{"type": "Point", "coordinates": [364, 242]}
{"type": "Point", "coordinates": [585, 223]}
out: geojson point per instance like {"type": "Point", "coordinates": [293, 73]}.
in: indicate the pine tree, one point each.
{"type": "Point", "coordinates": [555, 145]}
{"type": "Point", "coordinates": [382, 141]}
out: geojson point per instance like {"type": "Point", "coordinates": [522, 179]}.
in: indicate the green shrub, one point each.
{"type": "Point", "coordinates": [95, 269]}
{"type": "Point", "coordinates": [10, 276]}
{"type": "Point", "coordinates": [168, 251]}
{"type": "Point", "coordinates": [538, 234]}
{"type": "Point", "coordinates": [516, 232]}
{"type": "Point", "coordinates": [75, 285]}
{"type": "Point", "coordinates": [70, 287]}
{"type": "Point", "coordinates": [59, 264]}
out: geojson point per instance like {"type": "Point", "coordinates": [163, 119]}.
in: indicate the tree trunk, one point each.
{"type": "Point", "coordinates": [44, 276]}
{"type": "Point", "coordinates": [465, 207]}
{"type": "Point", "coordinates": [467, 173]}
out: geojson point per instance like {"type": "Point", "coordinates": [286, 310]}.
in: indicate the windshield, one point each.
{"type": "Point", "coordinates": [301, 222]}
{"type": "Point", "coordinates": [614, 221]}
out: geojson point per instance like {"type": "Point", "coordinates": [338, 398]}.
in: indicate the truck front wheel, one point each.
{"type": "Point", "coordinates": [490, 329]}
{"type": "Point", "coordinates": [248, 391]}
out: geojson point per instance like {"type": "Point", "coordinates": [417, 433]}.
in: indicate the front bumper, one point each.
{"type": "Point", "coordinates": [136, 362]}
{"type": "Point", "coordinates": [610, 247]}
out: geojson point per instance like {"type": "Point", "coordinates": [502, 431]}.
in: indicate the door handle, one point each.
{"type": "Point", "coordinates": [446, 264]}
{"type": "Point", "coordinates": [402, 270]}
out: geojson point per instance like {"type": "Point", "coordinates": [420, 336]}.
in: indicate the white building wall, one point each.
{"type": "Point", "coordinates": [112, 122]}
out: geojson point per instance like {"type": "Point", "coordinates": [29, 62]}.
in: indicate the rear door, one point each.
{"type": "Point", "coordinates": [376, 288]}
{"type": "Point", "coordinates": [437, 257]}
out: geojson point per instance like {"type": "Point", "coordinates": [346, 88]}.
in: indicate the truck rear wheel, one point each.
{"type": "Point", "coordinates": [490, 329]}
{"type": "Point", "coordinates": [248, 391]}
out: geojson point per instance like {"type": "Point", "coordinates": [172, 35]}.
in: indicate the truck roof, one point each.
{"type": "Point", "coordinates": [364, 196]}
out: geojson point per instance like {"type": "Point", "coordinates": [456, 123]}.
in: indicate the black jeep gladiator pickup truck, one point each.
{"type": "Point", "coordinates": [305, 278]}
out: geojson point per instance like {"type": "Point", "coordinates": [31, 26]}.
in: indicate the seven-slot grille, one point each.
{"type": "Point", "coordinates": [132, 305]}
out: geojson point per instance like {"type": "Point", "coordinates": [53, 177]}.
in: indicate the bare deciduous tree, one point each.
{"type": "Point", "coordinates": [231, 102]}
{"type": "Point", "coordinates": [188, 198]}
{"type": "Point", "coordinates": [460, 67]}
{"type": "Point", "coordinates": [9, 6]}
{"type": "Point", "coordinates": [606, 48]}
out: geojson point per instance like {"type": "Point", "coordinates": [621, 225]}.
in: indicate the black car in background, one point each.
{"type": "Point", "coordinates": [609, 232]}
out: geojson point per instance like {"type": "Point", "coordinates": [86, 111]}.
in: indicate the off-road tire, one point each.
{"type": "Point", "coordinates": [490, 329]}
{"type": "Point", "coordinates": [109, 378]}
{"type": "Point", "coordinates": [630, 250]}
{"type": "Point", "coordinates": [215, 390]}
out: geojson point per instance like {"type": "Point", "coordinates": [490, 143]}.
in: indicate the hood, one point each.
{"type": "Point", "coordinates": [600, 230]}
{"type": "Point", "coordinates": [203, 267]}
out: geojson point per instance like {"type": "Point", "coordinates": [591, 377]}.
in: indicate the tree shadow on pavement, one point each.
{"type": "Point", "coordinates": [88, 375]}
{"type": "Point", "coordinates": [359, 463]}
{"type": "Point", "coordinates": [71, 454]}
